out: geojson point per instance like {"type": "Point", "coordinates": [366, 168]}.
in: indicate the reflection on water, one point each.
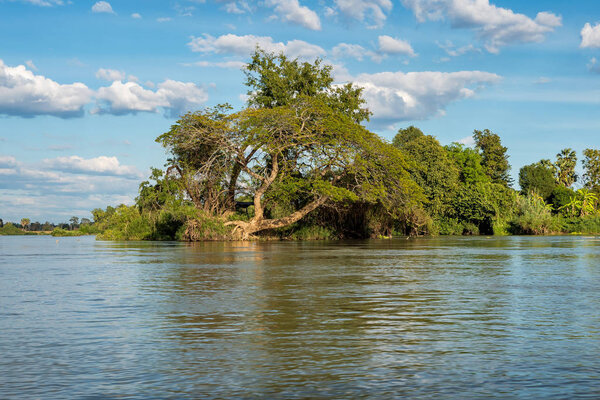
{"type": "Point", "coordinates": [511, 317]}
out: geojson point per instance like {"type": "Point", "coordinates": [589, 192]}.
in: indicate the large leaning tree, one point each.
{"type": "Point", "coordinates": [298, 141]}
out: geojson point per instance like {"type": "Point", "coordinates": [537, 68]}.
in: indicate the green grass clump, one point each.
{"type": "Point", "coordinates": [64, 232]}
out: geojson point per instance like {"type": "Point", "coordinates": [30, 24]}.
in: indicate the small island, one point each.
{"type": "Point", "coordinates": [298, 163]}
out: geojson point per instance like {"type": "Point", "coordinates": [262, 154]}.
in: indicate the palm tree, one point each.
{"type": "Point", "coordinates": [566, 161]}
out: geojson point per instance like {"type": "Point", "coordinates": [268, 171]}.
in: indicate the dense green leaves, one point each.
{"type": "Point", "coordinates": [536, 178]}
{"type": "Point", "coordinates": [494, 157]}
{"type": "Point", "coordinates": [591, 165]}
{"type": "Point", "coordinates": [274, 80]}
{"type": "Point", "coordinates": [432, 168]}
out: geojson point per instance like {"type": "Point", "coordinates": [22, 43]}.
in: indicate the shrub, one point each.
{"type": "Point", "coordinates": [560, 197]}
{"type": "Point", "coordinates": [590, 225]}
{"type": "Point", "coordinates": [64, 232]}
{"type": "Point", "coordinates": [449, 226]}
{"type": "Point", "coordinates": [10, 229]}
{"type": "Point", "coordinates": [312, 232]}
{"type": "Point", "coordinates": [204, 228]}
{"type": "Point", "coordinates": [126, 223]}
{"type": "Point", "coordinates": [533, 217]}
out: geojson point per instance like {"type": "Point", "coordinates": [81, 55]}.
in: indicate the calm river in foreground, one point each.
{"type": "Point", "coordinates": [432, 318]}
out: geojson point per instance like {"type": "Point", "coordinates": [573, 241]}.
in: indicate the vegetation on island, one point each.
{"type": "Point", "coordinates": [298, 163]}
{"type": "Point", "coordinates": [75, 227]}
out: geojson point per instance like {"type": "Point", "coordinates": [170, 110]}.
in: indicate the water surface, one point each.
{"type": "Point", "coordinates": [432, 318]}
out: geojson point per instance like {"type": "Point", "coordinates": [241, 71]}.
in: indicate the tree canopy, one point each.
{"type": "Point", "coordinates": [299, 140]}
{"type": "Point", "coordinates": [494, 157]}
{"type": "Point", "coordinates": [537, 178]}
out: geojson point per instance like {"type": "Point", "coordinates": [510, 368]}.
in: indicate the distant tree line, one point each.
{"type": "Point", "coordinates": [26, 226]}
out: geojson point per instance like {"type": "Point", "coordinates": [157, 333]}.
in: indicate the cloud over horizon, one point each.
{"type": "Point", "coordinates": [64, 186]}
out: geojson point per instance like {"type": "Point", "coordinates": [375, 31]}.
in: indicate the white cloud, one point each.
{"type": "Point", "coordinates": [330, 12]}
{"type": "Point", "coordinates": [64, 186]}
{"type": "Point", "coordinates": [136, 16]}
{"type": "Point", "coordinates": [237, 7]}
{"type": "Point", "coordinates": [163, 19]}
{"type": "Point", "coordinates": [31, 65]}
{"type": "Point", "coordinates": [372, 12]}
{"type": "Point", "coordinates": [497, 26]}
{"type": "Point", "coordinates": [102, 165]}
{"type": "Point", "coordinates": [594, 65]}
{"type": "Point", "coordinates": [110, 75]}
{"type": "Point", "coordinates": [45, 3]}
{"type": "Point", "coordinates": [102, 7]}
{"type": "Point", "coordinates": [467, 141]}
{"type": "Point", "coordinates": [173, 97]}
{"type": "Point", "coordinates": [7, 161]}
{"type": "Point", "coordinates": [245, 45]}
{"type": "Point", "coordinates": [232, 8]}
{"type": "Point", "coordinates": [347, 50]}
{"type": "Point", "coordinates": [590, 36]}
{"type": "Point", "coordinates": [292, 11]}
{"type": "Point", "coordinates": [398, 96]}
{"type": "Point", "coordinates": [390, 45]}
{"type": "Point", "coordinates": [454, 51]}
{"type": "Point", "coordinates": [22, 93]}
{"type": "Point", "coordinates": [223, 64]}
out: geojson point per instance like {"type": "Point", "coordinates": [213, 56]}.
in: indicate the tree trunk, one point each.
{"type": "Point", "coordinates": [246, 229]}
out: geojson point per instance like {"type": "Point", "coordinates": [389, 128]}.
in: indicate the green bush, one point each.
{"type": "Point", "coordinates": [126, 223]}
{"type": "Point", "coordinates": [204, 227]}
{"type": "Point", "coordinates": [449, 226]}
{"type": "Point", "coordinates": [533, 217]}
{"type": "Point", "coordinates": [89, 229]}
{"type": "Point", "coordinates": [590, 225]}
{"type": "Point", "coordinates": [470, 228]}
{"type": "Point", "coordinates": [10, 229]}
{"type": "Point", "coordinates": [313, 232]}
{"type": "Point", "coordinates": [64, 232]}
{"type": "Point", "coordinates": [560, 197]}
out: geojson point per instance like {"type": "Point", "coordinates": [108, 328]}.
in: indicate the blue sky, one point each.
{"type": "Point", "coordinates": [86, 87]}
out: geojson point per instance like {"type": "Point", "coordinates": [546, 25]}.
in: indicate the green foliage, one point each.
{"type": "Point", "coordinates": [204, 227]}
{"type": "Point", "coordinates": [25, 222]}
{"type": "Point", "coordinates": [407, 135]}
{"type": "Point", "coordinates": [587, 225]}
{"type": "Point", "coordinates": [591, 166]}
{"type": "Point", "coordinates": [10, 229]}
{"type": "Point", "coordinates": [312, 232]}
{"type": "Point", "coordinates": [494, 157]}
{"type": "Point", "coordinates": [566, 161]}
{"type": "Point", "coordinates": [468, 162]}
{"type": "Point", "coordinates": [584, 203]}
{"type": "Point", "coordinates": [560, 198]}
{"type": "Point", "coordinates": [125, 223]}
{"type": "Point", "coordinates": [538, 179]}
{"type": "Point", "coordinates": [274, 80]}
{"type": "Point", "coordinates": [432, 168]}
{"type": "Point", "coordinates": [484, 204]}
{"type": "Point", "coordinates": [533, 217]}
{"type": "Point", "coordinates": [449, 226]}
{"type": "Point", "coordinates": [64, 232]}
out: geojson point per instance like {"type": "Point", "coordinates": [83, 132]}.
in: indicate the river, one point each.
{"type": "Point", "coordinates": [429, 318]}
